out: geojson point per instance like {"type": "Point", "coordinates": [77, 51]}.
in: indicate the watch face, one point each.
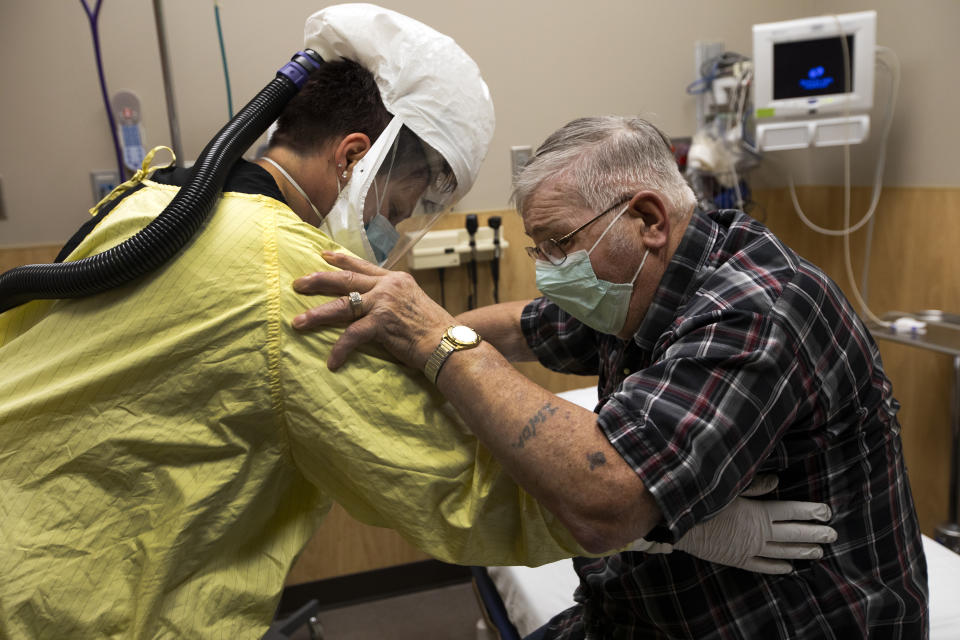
{"type": "Point", "coordinates": [462, 334]}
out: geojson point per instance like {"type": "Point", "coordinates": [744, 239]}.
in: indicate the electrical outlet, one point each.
{"type": "Point", "coordinates": [102, 182]}
{"type": "Point", "coordinates": [519, 157]}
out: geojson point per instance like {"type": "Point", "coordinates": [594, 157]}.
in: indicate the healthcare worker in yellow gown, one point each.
{"type": "Point", "coordinates": [168, 447]}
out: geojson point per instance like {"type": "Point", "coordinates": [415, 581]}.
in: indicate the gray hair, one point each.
{"type": "Point", "coordinates": [605, 159]}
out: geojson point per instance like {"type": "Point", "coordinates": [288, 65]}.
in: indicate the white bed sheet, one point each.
{"type": "Point", "coordinates": [533, 596]}
{"type": "Point", "coordinates": [943, 578]}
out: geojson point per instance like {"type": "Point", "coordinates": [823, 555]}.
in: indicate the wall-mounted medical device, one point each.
{"type": "Point", "coordinates": [452, 248]}
{"type": "Point", "coordinates": [126, 112]}
{"type": "Point", "coordinates": [808, 91]}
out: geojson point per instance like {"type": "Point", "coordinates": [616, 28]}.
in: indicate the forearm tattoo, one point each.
{"type": "Point", "coordinates": [596, 460]}
{"type": "Point", "coordinates": [530, 429]}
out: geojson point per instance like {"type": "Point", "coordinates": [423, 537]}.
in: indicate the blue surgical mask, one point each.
{"type": "Point", "coordinates": [574, 287]}
{"type": "Point", "coordinates": [382, 236]}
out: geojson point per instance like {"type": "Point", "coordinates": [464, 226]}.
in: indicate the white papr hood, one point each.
{"type": "Point", "coordinates": [424, 77]}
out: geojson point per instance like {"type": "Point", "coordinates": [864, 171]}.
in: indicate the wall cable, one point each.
{"type": "Point", "coordinates": [93, 17]}
{"type": "Point", "coordinates": [223, 56]}
{"type": "Point", "coordinates": [893, 66]}
{"type": "Point", "coordinates": [881, 156]}
{"type": "Point", "coordinates": [847, 262]}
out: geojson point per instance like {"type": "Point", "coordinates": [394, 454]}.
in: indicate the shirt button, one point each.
{"type": "Point", "coordinates": [626, 372]}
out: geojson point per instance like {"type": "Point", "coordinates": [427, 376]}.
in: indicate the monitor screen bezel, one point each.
{"type": "Point", "coordinates": [862, 26]}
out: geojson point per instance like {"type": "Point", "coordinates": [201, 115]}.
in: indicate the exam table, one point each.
{"type": "Point", "coordinates": [518, 600]}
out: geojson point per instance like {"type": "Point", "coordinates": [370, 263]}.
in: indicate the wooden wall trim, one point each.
{"type": "Point", "coordinates": [11, 257]}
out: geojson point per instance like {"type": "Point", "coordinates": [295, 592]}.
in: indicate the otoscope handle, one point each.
{"type": "Point", "coordinates": [472, 226]}
{"type": "Point", "coordinates": [494, 222]}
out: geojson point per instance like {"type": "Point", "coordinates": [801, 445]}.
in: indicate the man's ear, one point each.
{"type": "Point", "coordinates": [649, 208]}
{"type": "Point", "coordinates": [351, 148]}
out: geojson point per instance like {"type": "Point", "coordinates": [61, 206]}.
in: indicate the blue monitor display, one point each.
{"type": "Point", "coordinates": [810, 68]}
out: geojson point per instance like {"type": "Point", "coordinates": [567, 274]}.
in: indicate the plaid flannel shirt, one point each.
{"type": "Point", "coordinates": [749, 360]}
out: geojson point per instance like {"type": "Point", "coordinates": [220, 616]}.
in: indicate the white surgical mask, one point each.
{"type": "Point", "coordinates": [297, 187]}
{"type": "Point", "coordinates": [574, 287]}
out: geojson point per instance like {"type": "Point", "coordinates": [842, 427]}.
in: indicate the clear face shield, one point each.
{"type": "Point", "coordinates": [397, 191]}
{"type": "Point", "coordinates": [412, 189]}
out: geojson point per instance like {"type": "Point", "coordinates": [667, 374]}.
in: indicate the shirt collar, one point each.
{"type": "Point", "coordinates": [680, 279]}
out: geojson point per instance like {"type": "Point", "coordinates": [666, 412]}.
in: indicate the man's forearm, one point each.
{"type": "Point", "coordinates": [552, 448]}
{"type": "Point", "coordinates": [499, 324]}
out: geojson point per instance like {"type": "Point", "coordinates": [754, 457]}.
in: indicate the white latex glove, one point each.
{"type": "Point", "coordinates": [756, 535]}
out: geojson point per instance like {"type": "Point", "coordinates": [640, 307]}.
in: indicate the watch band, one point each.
{"type": "Point", "coordinates": [454, 339]}
{"type": "Point", "coordinates": [438, 358]}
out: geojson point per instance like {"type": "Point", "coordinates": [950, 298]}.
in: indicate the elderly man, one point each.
{"type": "Point", "coordinates": [721, 354]}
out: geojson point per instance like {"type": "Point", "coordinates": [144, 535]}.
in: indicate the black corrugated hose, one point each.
{"type": "Point", "coordinates": [175, 225]}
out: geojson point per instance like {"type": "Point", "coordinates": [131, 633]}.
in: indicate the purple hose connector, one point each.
{"type": "Point", "coordinates": [300, 66]}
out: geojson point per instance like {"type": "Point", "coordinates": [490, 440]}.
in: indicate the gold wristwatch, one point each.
{"type": "Point", "coordinates": [454, 339]}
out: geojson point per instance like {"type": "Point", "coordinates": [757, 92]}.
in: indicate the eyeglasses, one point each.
{"type": "Point", "coordinates": [551, 250]}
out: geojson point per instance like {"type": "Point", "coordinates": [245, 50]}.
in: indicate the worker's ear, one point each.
{"type": "Point", "coordinates": [351, 148]}
{"type": "Point", "coordinates": [649, 208]}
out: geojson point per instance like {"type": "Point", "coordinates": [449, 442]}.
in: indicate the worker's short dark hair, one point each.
{"type": "Point", "coordinates": [339, 98]}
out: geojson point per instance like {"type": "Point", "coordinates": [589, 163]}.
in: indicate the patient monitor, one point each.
{"type": "Point", "coordinates": [807, 90]}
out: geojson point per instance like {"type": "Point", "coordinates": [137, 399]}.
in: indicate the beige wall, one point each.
{"type": "Point", "coordinates": [546, 61]}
